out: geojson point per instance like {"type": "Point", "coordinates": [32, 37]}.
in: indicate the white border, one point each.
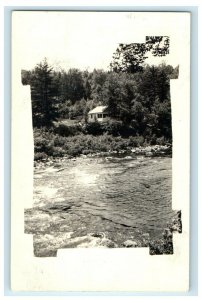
{"type": "Point", "coordinates": [90, 3]}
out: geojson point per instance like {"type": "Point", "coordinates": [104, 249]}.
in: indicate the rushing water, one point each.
{"type": "Point", "coordinates": [100, 202]}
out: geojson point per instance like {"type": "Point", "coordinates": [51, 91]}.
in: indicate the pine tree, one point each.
{"type": "Point", "coordinates": [44, 91]}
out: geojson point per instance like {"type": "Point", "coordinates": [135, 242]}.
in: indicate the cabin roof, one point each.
{"type": "Point", "coordinates": [98, 109]}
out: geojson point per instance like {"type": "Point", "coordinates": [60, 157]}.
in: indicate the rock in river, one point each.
{"type": "Point", "coordinates": [130, 244]}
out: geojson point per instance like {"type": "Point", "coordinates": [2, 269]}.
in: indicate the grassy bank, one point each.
{"type": "Point", "coordinates": [71, 141]}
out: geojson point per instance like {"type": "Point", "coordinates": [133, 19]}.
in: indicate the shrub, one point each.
{"type": "Point", "coordinates": [86, 151]}
{"type": "Point", "coordinates": [117, 128]}
{"type": "Point", "coordinates": [48, 143]}
{"type": "Point", "coordinates": [94, 128]}
{"type": "Point", "coordinates": [40, 156]}
{"type": "Point", "coordinates": [112, 127]}
{"type": "Point", "coordinates": [153, 140]}
{"type": "Point", "coordinates": [75, 150]}
{"type": "Point", "coordinates": [42, 140]}
{"type": "Point", "coordinates": [161, 141]}
{"type": "Point", "coordinates": [162, 245]}
{"type": "Point", "coordinates": [136, 141]}
{"type": "Point", "coordinates": [57, 152]}
{"type": "Point", "coordinates": [59, 141]}
{"type": "Point", "coordinates": [68, 130]}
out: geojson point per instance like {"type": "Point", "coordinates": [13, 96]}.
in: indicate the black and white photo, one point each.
{"type": "Point", "coordinates": [102, 98]}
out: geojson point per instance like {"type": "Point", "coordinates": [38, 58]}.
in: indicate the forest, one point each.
{"type": "Point", "coordinates": [137, 96]}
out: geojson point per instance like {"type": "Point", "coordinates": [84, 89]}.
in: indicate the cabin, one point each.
{"type": "Point", "coordinates": [99, 114]}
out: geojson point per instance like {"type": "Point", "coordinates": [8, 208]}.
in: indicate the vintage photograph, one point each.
{"type": "Point", "coordinates": [100, 154]}
{"type": "Point", "coordinates": [102, 129]}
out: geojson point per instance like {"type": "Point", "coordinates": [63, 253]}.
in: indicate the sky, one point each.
{"type": "Point", "coordinates": [86, 40]}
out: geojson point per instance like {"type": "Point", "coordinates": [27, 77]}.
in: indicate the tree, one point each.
{"type": "Point", "coordinates": [118, 92]}
{"type": "Point", "coordinates": [26, 77]}
{"type": "Point", "coordinates": [163, 112]}
{"type": "Point", "coordinates": [131, 57]}
{"type": "Point", "coordinates": [44, 92]}
{"type": "Point", "coordinates": [154, 84]}
{"type": "Point", "coordinates": [138, 114]}
{"type": "Point", "coordinates": [98, 80]}
{"type": "Point", "coordinates": [87, 84]}
{"type": "Point", "coordinates": [154, 87]}
{"type": "Point", "coordinates": [72, 85]}
{"type": "Point", "coordinates": [158, 45]}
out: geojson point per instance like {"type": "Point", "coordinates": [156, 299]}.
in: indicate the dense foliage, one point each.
{"type": "Point", "coordinates": [51, 142]}
{"type": "Point", "coordinates": [131, 57]}
{"type": "Point", "coordinates": [140, 100]}
{"type": "Point", "coordinates": [44, 94]}
{"type": "Point", "coordinates": [137, 96]}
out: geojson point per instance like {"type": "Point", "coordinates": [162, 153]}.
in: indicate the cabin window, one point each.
{"type": "Point", "coordinates": [91, 116]}
{"type": "Point", "coordinates": [99, 116]}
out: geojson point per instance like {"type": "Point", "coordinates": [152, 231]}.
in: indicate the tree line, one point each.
{"type": "Point", "coordinates": [136, 94]}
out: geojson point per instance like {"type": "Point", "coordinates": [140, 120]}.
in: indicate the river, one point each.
{"type": "Point", "coordinates": [110, 201]}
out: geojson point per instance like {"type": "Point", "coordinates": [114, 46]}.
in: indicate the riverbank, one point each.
{"type": "Point", "coordinates": [51, 144]}
{"type": "Point", "coordinates": [129, 152]}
